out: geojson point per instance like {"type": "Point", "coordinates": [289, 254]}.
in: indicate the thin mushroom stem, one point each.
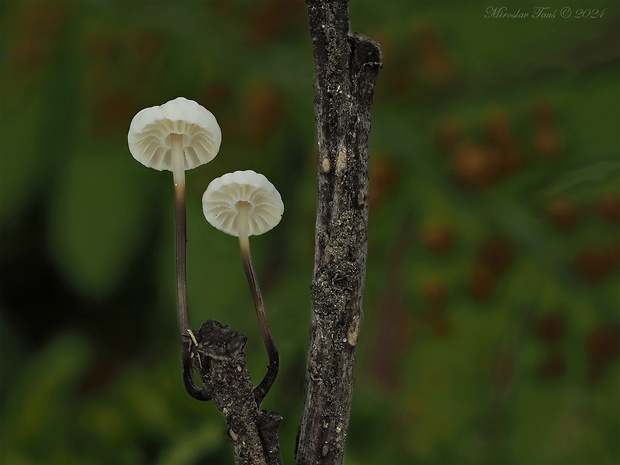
{"type": "Point", "coordinates": [272, 351]}
{"type": "Point", "coordinates": [178, 174]}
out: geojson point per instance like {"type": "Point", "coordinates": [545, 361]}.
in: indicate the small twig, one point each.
{"type": "Point", "coordinates": [219, 358]}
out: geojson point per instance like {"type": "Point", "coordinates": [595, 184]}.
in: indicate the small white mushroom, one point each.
{"type": "Point", "coordinates": [244, 204]}
{"type": "Point", "coordinates": [177, 136]}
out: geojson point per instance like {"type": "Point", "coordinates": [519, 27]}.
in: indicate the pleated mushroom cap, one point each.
{"type": "Point", "coordinates": [150, 130]}
{"type": "Point", "coordinates": [220, 202]}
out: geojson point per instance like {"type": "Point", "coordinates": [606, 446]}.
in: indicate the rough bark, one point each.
{"type": "Point", "coordinates": [346, 67]}
{"type": "Point", "coordinates": [218, 356]}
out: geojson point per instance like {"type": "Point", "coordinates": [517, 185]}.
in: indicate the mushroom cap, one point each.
{"type": "Point", "coordinates": [150, 130]}
{"type": "Point", "coordinates": [219, 202]}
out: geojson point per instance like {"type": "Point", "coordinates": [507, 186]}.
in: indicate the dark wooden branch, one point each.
{"type": "Point", "coordinates": [219, 359]}
{"type": "Point", "coordinates": [346, 67]}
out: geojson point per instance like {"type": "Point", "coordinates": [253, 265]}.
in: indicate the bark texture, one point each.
{"type": "Point", "coordinates": [219, 358]}
{"type": "Point", "coordinates": [346, 68]}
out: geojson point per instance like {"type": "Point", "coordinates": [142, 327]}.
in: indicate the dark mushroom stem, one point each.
{"type": "Point", "coordinates": [272, 351]}
{"type": "Point", "coordinates": [178, 173]}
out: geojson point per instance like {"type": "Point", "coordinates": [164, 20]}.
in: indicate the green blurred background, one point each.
{"type": "Point", "coordinates": [491, 330]}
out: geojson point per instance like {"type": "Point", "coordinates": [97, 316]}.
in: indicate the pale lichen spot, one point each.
{"type": "Point", "coordinates": [341, 161]}
{"type": "Point", "coordinates": [326, 165]}
{"type": "Point", "coordinates": [361, 198]}
{"type": "Point", "coordinates": [353, 332]}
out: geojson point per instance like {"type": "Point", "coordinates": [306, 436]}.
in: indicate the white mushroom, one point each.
{"type": "Point", "coordinates": [176, 136]}
{"type": "Point", "coordinates": [244, 204]}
